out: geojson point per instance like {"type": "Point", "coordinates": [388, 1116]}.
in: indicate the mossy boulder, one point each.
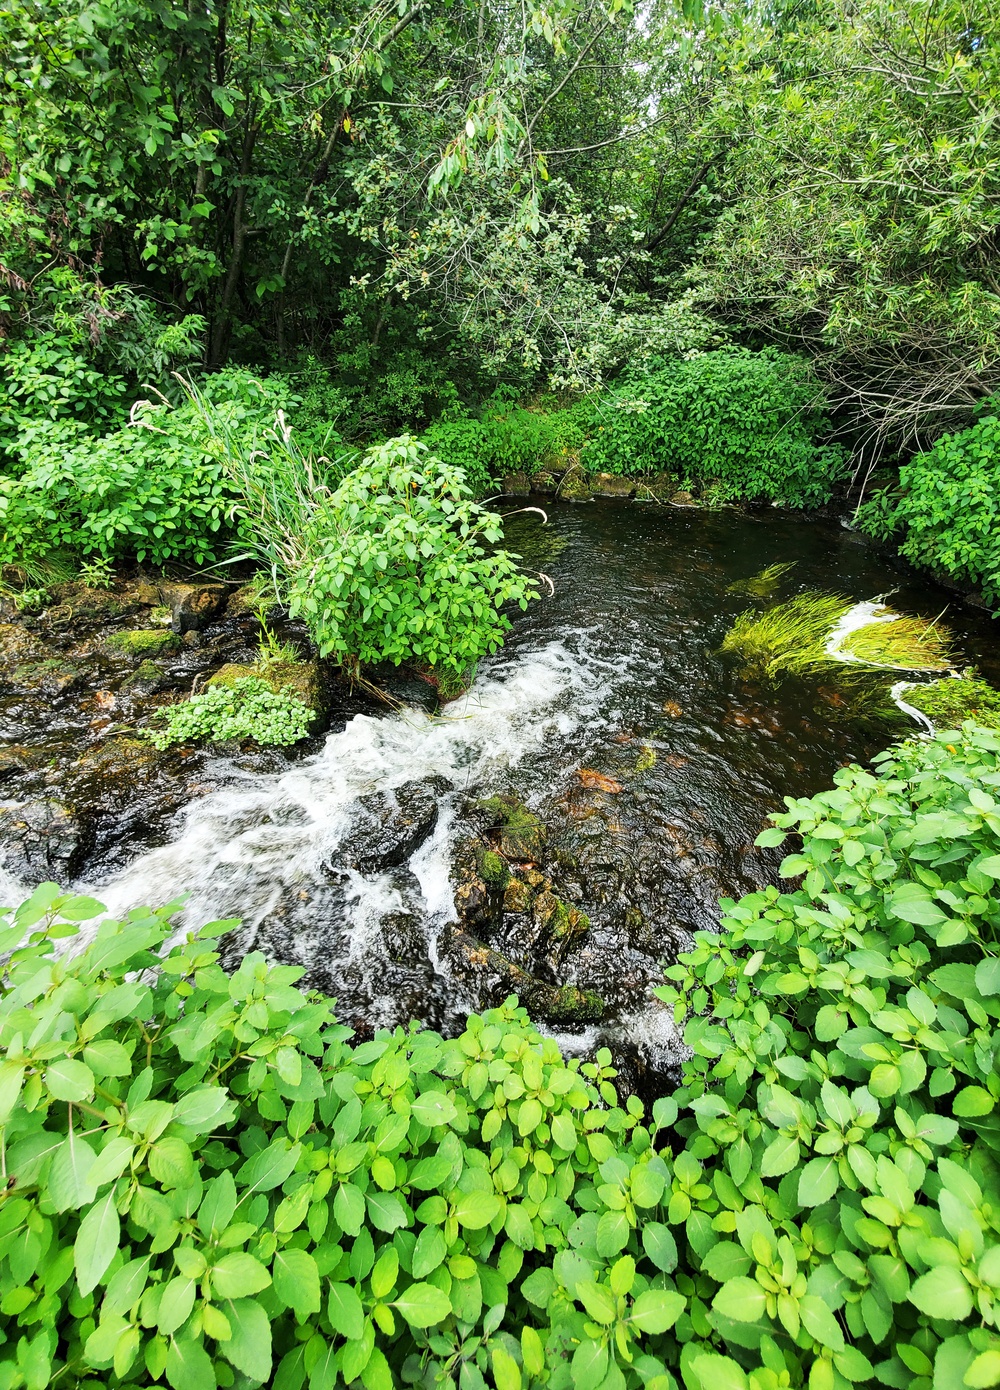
{"type": "Point", "coordinates": [300, 678]}
{"type": "Point", "coordinates": [571, 1004]}
{"type": "Point", "coordinates": [608, 485]}
{"type": "Point", "coordinates": [517, 485]}
{"type": "Point", "coordinates": [492, 868]}
{"type": "Point", "coordinates": [139, 643]}
{"type": "Point", "coordinates": [54, 676]}
{"type": "Point", "coordinates": [146, 679]}
{"type": "Point", "coordinates": [576, 486]}
{"type": "Point", "coordinates": [544, 481]}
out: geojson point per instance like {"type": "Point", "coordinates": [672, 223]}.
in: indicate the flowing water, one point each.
{"type": "Point", "coordinates": [651, 761]}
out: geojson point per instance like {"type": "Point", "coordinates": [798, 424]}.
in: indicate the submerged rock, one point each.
{"type": "Point", "coordinates": [497, 976]}
{"type": "Point", "coordinates": [19, 646]}
{"type": "Point", "coordinates": [520, 834]}
{"type": "Point", "coordinates": [146, 679]}
{"type": "Point", "coordinates": [389, 826]}
{"type": "Point", "coordinates": [43, 840]}
{"type": "Point", "coordinates": [50, 677]}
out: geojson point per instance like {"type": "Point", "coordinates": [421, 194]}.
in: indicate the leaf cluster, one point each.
{"type": "Point", "coordinates": [843, 1088]}
{"type": "Point", "coordinates": [248, 708]}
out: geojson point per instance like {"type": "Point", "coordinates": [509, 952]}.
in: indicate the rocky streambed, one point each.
{"type": "Point", "coordinates": [558, 833]}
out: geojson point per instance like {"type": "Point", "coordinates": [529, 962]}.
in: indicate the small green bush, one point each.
{"type": "Point", "coordinates": [156, 489]}
{"type": "Point", "coordinates": [249, 708]}
{"type": "Point", "coordinates": [394, 568]}
{"type": "Point", "coordinates": [748, 422]}
{"type": "Point", "coordinates": [948, 508]}
{"type": "Point", "coordinates": [504, 439]}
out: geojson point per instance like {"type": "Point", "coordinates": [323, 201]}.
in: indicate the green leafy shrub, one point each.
{"type": "Point", "coordinates": [248, 708]}
{"type": "Point", "coordinates": [208, 1184]}
{"type": "Point", "coordinates": [156, 489]}
{"type": "Point", "coordinates": [504, 440]}
{"type": "Point", "coordinates": [948, 508]}
{"type": "Point", "coordinates": [748, 422]}
{"type": "Point", "coordinates": [840, 1193]}
{"type": "Point", "coordinates": [395, 567]}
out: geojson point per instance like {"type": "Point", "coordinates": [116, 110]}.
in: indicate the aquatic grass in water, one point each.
{"type": "Point", "coordinates": [911, 644]}
{"type": "Point", "coordinates": [790, 638]}
{"type": "Point", "coordinates": [764, 584]}
{"type": "Point", "coordinates": [950, 702]}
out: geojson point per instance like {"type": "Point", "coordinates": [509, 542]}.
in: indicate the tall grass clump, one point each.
{"type": "Point", "coordinates": [789, 639]}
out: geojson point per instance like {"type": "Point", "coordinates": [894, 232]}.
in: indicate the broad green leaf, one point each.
{"type": "Point", "coordinates": [475, 1210]}
{"type": "Point", "coordinates": [818, 1181]}
{"type": "Point", "coordinates": [296, 1281]}
{"type": "Point", "coordinates": [67, 1079]}
{"type": "Point", "coordinates": [657, 1309]}
{"type": "Point", "coordinates": [659, 1244]}
{"type": "Point", "coordinates": [188, 1366]}
{"type": "Point", "coordinates": [423, 1305]}
{"type": "Point", "coordinates": [742, 1299]}
{"type": "Point", "coordinates": [344, 1308]}
{"type": "Point", "coordinates": [719, 1372]}
{"type": "Point", "coordinates": [249, 1347]}
{"type": "Point", "coordinates": [943, 1293]}
{"type": "Point", "coordinates": [96, 1243]}
{"type": "Point", "coordinates": [239, 1275]}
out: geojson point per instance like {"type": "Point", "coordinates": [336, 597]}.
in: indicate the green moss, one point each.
{"type": "Point", "coordinates": [576, 486]}
{"type": "Point", "coordinates": [299, 678]}
{"type": "Point", "coordinates": [492, 868]}
{"type": "Point", "coordinates": [646, 758]}
{"type": "Point", "coordinates": [950, 702]}
{"type": "Point", "coordinates": [522, 834]}
{"type": "Point", "coordinates": [572, 1004]}
{"type": "Point", "coordinates": [141, 642]}
{"type": "Point", "coordinates": [788, 639]}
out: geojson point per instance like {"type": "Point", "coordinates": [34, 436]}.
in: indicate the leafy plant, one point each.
{"type": "Point", "coordinates": [750, 423]}
{"type": "Point", "coordinates": [248, 708]}
{"type": "Point", "coordinates": [840, 1184]}
{"type": "Point", "coordinates": [208, 1185]}
{"type": "Point", "coordinates": [947, 508]}
{"type": "Point", "coordinates": [504, 440]}
{"type": "Point", "coordinates": [395, 567]}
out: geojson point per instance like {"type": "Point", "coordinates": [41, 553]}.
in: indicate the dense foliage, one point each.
{"type": "Point", "coordinates": [748, 423]}
{"type": "Point", "coordinates": [395, 567]}
{"type": "Point", "coordinates": [948, 508]}
{"type": "Point", "coordinates": [841, 1157]}
{"type": "Point", "coordinates": [248, 708]}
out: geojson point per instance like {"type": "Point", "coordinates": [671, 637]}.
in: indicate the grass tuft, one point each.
{"type": "Point", "coordinates": [910, 644]}
{"type": "Point", "coordinates": [788, 639]}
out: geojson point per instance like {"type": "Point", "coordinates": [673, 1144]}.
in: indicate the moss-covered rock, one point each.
{"type": "Point", "coordinates": [492, 868]}
{"type": "Point", "coordinates": [139, 643]}
{"type": "Point", "coordinates": [521, 833]}
{"type": "Point", "coordinates": [544, 481]}
{"type": "Point", "coordinates": [576, 486]}
{"type": "Point", "coordinates": [517, 896]}
{"type": "Point", "coordinates": [608, 485]}
{"type": "Point", "coordinates": [517, 485]}
{"type": "Point", "coordinates": [300, 678]}
{"type": "Point", "coordinates": [54, 676]}
{"type": "Point", "coordinates": [18, 646]}
{"type": "Point", "coordinates": [146, 679]}
{"type": "Point", "coordinates": [571, 1004]}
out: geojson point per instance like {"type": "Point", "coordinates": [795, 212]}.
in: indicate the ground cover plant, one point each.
{"type": "Point", "coordinates": [950, 702]}
{"type": "Point", "coordinates": [247, 708]}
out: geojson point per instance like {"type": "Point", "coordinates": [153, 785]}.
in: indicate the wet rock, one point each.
{"type": "Point", "coordinates": [682, 499]}
{"type": "Point", "coordinates": [50, 677]}
{"type": "Point", "coordinates": [140, 643]}
{"type": "Point", "coordinates": [497, 976]}
{"type": "Point", "coordinates": [517, 485]}
{"type": "Point", "coordinates": [15, 760]}
{"type": "Point", "coordinates": [43, 840]}
{"type": "Point", "coordinates": [517, 896]}
{"type": "Point", "coordinates": [145, 680]}
{"type": "Point", "coordinates": [82, 601]}
{"type": "Point", "coordinates": [607, 485]}
{"type": "Point", "coordinates": [303, 679]}
{"type": "Point", "coordinates": [192, 606]}
{"type": "Point", "coordinates": [672, 708]}
{"type": "Point", "coordinates": [389, 826]}
{"type": "Point", "coordinates": [492, 868]}
{"type": "Point", "coordinates": [248, 599]}
{"type": "Point", "coordinates": [115, 772]}
{"type": "Point", "coordinates": [545, 482]}
{"type": "Point", "coordinates": [660, 488]}
{"type": "Point", "coordinates": [576, 485]}
{"type": "Point", "coordinates": [598, 781]}
{"type": "Point", "coordinates": [402, 938]}
{"type": "Point", "coordinates": [18, 646]}
{"type": "Point", "coordinates": [520, 834]}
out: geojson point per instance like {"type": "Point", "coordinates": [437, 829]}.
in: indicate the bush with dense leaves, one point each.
{"type": "Point", "coordinates": [504, 439]}
{"type": "Point", "coordinates": [750, 423]}
{"type": "Point", "coordinates": [208, 1183]}
{"type": "Point", "coordinates": [948, 508]}
{"type": "Point", "coordinates": [395, 567]}
{"type": "Point", "coordinates": [842, 1208]}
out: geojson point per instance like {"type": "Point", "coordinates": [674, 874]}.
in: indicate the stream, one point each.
{"type": "Point", "coordinates": [648, 759]}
